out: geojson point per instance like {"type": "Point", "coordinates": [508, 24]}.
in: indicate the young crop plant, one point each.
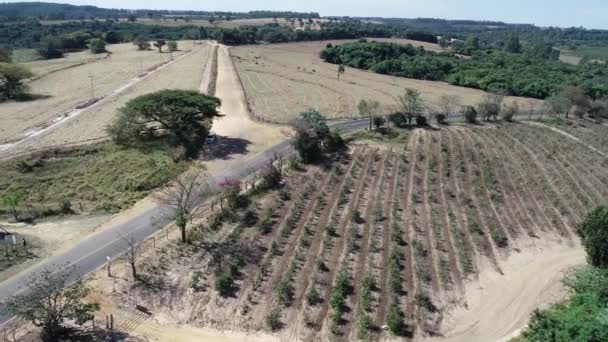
{"type": "Point", "coordinates": [395, 320]}
{"type": "Point", "coordinates": [285, 288]}
{"type": "Point", "coordinates": [368, 285]}
{"type": "Point", "coordinates": [394, 265]}
{"type": "Point", "coordinates": [313, 297]}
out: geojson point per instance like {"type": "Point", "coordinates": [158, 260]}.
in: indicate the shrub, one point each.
{"type": "Point", "coordinates": [265, 225]}
{"type": "Point", "coordinates": [356, 217]}
{"type": "Point", "coordinates": [395, 320]}
{"type": "Point", "coordinates": [250, 218]}
{"type": "Point", "coordinates": [172, 45]}
{"type": "Point", "coordinates": [365, 324]}
{"type": "Point", "coordinates": [285, 288]}
{"type": "Point", "coordinates": [424, 301]}
{"type": "Point", "coordinates": [421, 121]}
{"type": "Point", "coordinates": [594, 233]}
{"type": "Point", "coordinates": [441, 119]}
{"type": "Point", "coordinates": [313, 297]}
{"type": "Point", "coordinates": [224, 283]}
{"type": "Point", "coordinates": [470, 114]}
{"type": "Point", "coordinates": [97, 45]}
{"type": "Point", "coordinates": [273, 320]}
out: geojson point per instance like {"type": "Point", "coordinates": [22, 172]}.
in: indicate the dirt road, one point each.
{"type": "Point", "coordinates": [499, 306]}
{"type": "Point", "coordinates": [238, 134]}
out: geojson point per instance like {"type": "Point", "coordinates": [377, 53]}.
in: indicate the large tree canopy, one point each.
{"type": "Point", "coordinates": [11, 77]}
{"type": "Point", "coordinates": [182, 117]}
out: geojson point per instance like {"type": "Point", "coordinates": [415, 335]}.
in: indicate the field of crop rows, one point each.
{"type": "Point", "coordinates": [388, 234]}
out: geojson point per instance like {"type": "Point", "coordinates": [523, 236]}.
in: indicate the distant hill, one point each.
{"type": "Point", "coordinates": [53, 11]}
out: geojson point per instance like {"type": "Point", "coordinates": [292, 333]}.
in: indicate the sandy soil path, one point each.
{"type": "Point", "coordinates": [236, 128]}
{"type": "Point", "coordinates": [500, 306]}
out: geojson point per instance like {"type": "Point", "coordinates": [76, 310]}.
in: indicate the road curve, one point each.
{"type": "Point", "coordinates": [92, 252]}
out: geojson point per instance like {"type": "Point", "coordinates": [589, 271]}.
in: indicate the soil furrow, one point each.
{"type": "Point", "coordinates": [336, 253]}
{"type": "Point", "coordinates": [477, 225]}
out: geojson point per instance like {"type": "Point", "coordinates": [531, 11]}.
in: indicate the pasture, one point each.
{"type": "Point", "coordinates": [282, 80]}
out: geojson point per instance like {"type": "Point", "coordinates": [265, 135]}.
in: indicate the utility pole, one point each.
{"type": "Point", "coordinates": [141, 66]}
{"type": "Point", "coordinates": [92, 86]}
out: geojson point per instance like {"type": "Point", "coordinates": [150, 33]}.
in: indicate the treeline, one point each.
{"type": "Point", "coordinates": [512, 73]}
{"type": "Point", "coordinates": [52, 11]}
{"type": "Point", "coordinates": [50, 40]}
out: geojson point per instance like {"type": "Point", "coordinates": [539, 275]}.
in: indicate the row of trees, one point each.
{"type": "Point", "coordinates": [514, 74]}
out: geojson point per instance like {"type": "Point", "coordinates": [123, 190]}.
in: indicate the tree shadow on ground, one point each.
{"type": "Point", "coordinates": [31, 97]}
{"type": "Point", "coordinates": [225, 148]}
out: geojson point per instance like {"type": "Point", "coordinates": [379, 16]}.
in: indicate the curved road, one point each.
{"type": "Point", "coordinates": [91, 253]}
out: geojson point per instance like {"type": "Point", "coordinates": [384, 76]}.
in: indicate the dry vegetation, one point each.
{"type": "Point", "coordinates": [282, 80]}
{"type": "Point", "coordinates": [185, 73]}
{"type": "Point", "coordinates": [380, 231]}
{"type": "Point", "coordinates": [64, 84]}
{"type": "Point", "coordinates": [217, 23]}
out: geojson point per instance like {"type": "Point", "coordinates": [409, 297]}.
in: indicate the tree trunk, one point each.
{"type": "Point", "coordinates": [133, 271]}
{"type": "Point", "coordinates": [182, 228]}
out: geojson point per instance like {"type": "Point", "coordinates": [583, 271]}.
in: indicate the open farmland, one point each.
{"type": "Point", "coordinates": [384, 231]}
{"type": "Point", "coordinates": [185, 73]}
{"type": "Point", "coordinates": [68, 87]}
{"type": "Point", "coordinates": [282, 80]}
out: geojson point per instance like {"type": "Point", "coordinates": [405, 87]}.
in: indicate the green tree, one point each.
{"type": "Point", "coordinates": [97, 45]}
{"type": "Point", "coordinates": [172, 45]}
{"type": "Point", "coordinates": [513, 45]}
{"type": "Point", "coordinates": [142, 44]}
{"type": "Point", "coordinates": [578, 99]}
{"type": "Point", "coordinates": [594, 233]}
{"type": "Point", "coordinates": [412, 104]}
{"type": "Point", "coordinates": [557, 104]}
{"type": "Point", "coordinates": [369, 109]}
{"type": "Point", "coordinates": [182, 117]}
{"type": "Point", "coordinates": [470, 114]}
{"type": "Point", "coordinates": [159, 44]}
{"type": "Point", "coordinates": [132, 18]}
{"type": "Point", "coordinates": [11, 81]}
{"type": "Point", "coordinates": [12, 201]}
{"type": "Point", "coordinates": [50, 300]}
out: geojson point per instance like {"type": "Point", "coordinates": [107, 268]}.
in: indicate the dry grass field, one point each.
{"type": "Point", "coordinates": [282, 80]}
{"type": "Point", "coordinates": [185, 73]}
{"type": "Point", "coordinates": [413, 228]}
{"type": "Point", "coordinates": [62, 88]}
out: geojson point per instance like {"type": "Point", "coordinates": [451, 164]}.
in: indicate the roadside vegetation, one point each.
{"type": "Point", "coordinates": [103, 178]}
{"type": "Point", "coordinates": [583, 316]}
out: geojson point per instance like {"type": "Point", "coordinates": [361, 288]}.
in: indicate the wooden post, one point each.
{"type": "Point", "coordinates": [111, 322]}
{"type": "Point", "coordinates": [154, 242]}
{"type": "Point", "coordinates": [107, 322]}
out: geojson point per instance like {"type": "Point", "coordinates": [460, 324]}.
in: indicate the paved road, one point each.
{"type": "Point", "coordinates": [91, 253]}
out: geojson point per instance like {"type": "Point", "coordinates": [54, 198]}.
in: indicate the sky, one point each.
{"type": "Point", "coordinates": [563, 13]}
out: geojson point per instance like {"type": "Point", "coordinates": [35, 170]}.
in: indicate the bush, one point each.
{"type": "Point", "coordinates": [172, 45]}
{"type": "Point", "coordinates": [594, 233]}
{"type": "Point", "coordinates": [395, 320]}
{"type": "Point", "coordinates": [97, 45]}
{"type": "Point", "coordinates": [441, 119]}
{"type": "Point", "coordinates": [421, 121]}
{"type": "Point", "coordinates": [273, 320]}
{"type": "Point", "coordinates": [313, 297]}
{"type": "Point", "coordinates": [224, 283]}
{"type": "Point", "coordinates": [365, 324]}
{"type": "Point", "coordinates": [470, 114]}
{"type": "Point", "coordinates": [424, 301]}
{"type": "Point", "coordinates": [265, 225]}
{"type": "Point", "coordinates": [11, 81]}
